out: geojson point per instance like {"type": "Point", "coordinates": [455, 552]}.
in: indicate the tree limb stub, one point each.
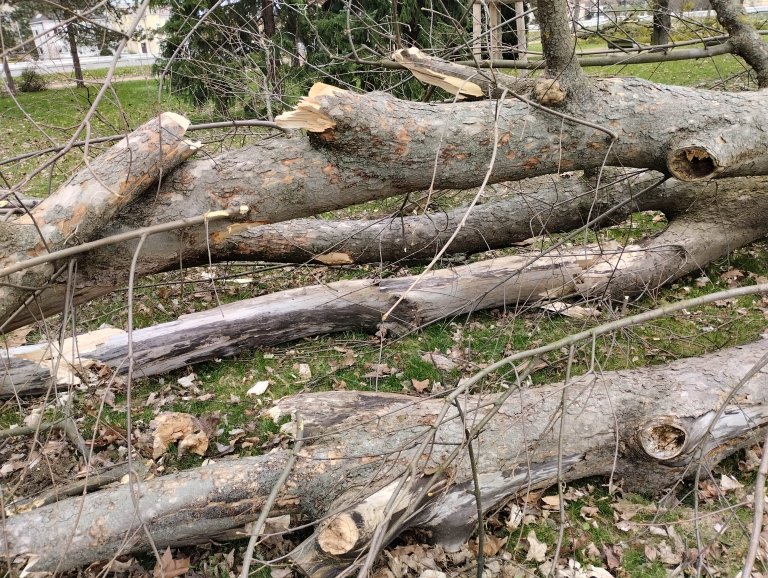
{"type": "Point", "coordinates": [358, 444]}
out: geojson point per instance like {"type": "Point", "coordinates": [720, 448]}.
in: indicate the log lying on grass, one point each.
{"type": "Point", "coordinates": [88, 201]}
{"type": "Point", "coordinates": [542, 206]}
{"type": "Point", "coordinates": [712, 226]}
{"type": "Point", "coordinates": [588, 272]}
{"type": "Point", "coordinates": [359, 446]}
{"type": "Point", "coordinates": [373, 146]}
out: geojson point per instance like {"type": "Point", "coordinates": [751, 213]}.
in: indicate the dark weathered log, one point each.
{"type": "Point", "coordinates": [296, 313]}
{"type": "Point", "coordinates": [713, 225]}
{"type": "Point", "coordinates": [542, 205]}
{"type": "Point", "coordinates": [358, 444]}
{"type": "Point", "coordinates": [87, 202]}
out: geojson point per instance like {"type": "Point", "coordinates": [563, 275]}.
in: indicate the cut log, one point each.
{"type": "Point", "coordinates": [710, 228]}
{"type": "Point", "coordinates": [359, 446]}
{"type": "Point", "coordinates": [373, 146]}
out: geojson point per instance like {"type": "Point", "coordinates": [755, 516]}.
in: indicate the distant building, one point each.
{"type": "Point", "coordinates": [148, 37]}
{"type": "Point", "coordinates": [52, 44]}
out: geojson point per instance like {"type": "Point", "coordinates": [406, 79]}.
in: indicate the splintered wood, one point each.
{"type": "Point", "coordinates": [309, 113]}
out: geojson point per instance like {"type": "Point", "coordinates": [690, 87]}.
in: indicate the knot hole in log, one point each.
{"type": "Point", "coordinates": [692, 163]}
{"type": "Point", "coordinates": [663, 439]}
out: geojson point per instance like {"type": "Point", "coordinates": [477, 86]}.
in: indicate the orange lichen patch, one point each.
{"type": "Point", "coordinates": [596, 145]}
{"type": "Point", "coordinates": [403, 140]}
{"type": "Point", "coordinates": [511, 155]}
{"type": "Point", "coordinates": [272, 178]}
{"type": "Point", "coordinates": [504, 139]}
{"type": "Point", "coordinates": [289, 162]}
{"type": "Point", "coordinates": [531, 163]}
{"type": "Point", "coordinates": [219, 237]}
{"type": "Point", "coordinates": [332, 173]}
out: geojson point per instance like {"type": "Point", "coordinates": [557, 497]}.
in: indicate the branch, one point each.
{"type": "Point", "coordinates": [745, 39]}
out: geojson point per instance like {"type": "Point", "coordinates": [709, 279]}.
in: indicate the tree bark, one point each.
{"type": "Point", "coordinates": [710, 228]}
{"type": "Point", "coordinates": [365, 147]}
{"type": "Point", "coordinates": [662, 23]}
{"type": "Point", "coordinates": [540, 206]}
{"type": "Point", "coordinates": [662, 419]}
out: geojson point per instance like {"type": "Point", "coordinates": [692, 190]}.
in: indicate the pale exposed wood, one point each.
{"type": "Point", "coordinates": [308, 114]}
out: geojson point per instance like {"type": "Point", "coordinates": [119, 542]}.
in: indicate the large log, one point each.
{"type": "Point", "coordinates": [78, 210]}
{"type": "Point", "coordinates": [374, 146]}
{"type": "Point", "coordinates": [711, 227]}
{"type": "Point", "coordinates": [539, 206]}
{"type": "Point", "coordinates": [664, 422]}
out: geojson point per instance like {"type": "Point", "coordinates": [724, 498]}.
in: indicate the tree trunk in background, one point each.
{"type": "Point", "coordinates": [6, 69]}
{"type": "Point", "coordinates": [662, 23]}
{"type": "Point", "coordinates": [72, 38]}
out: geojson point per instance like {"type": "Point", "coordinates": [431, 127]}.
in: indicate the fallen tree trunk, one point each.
{"type": "Point", "coordinates": [87, 202]}
{"type": "Point", "coordinates": [542, 206]}
{"type": "Point", "coordinates": [714, 225]}
{"type": "Point", "coordinates": [374, 146]}
{"type": "Point", "coordinates": [664, 423]}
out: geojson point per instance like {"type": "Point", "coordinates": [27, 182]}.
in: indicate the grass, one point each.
{"type": "Point", "coordinates": [343, 361]}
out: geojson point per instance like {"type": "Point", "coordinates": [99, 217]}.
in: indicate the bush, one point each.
{"type": "Point", "coordinates": [32, 81]}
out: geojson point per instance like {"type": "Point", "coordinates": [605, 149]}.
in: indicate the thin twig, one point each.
{"type": "Point", "coordinates": [477, 492]}
{"type": "Point", "coordinates": [114, 137]}
{"type": "Point", "coordinates": [759, 506]}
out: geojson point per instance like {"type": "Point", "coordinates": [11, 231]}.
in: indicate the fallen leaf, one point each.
{"type": "Point", "coordinates": [258, 388]}
{"type": "Point", "coordinates": [17, 337]}
{"type": "Point", "coordinates": [612, 555]}
{"type": "Point", "coordinates": [439, 360]}
{"type": "Point", "coordinates": [177, 427]}
{"type": "Point", "coordinates": [728, 484]}
{"type": "Point", "coordinates": [515, 518]}
{"type": "Point", "coordinates": [305, 373]}
{"type": "Point", "coordinates": [187, 380]}
{"type": "Point", "coordinates": [167, 567]}
{"type": "Point", "coordinates": [420, 386]}
{"type": "Point", "coordinates": [537, 551]}
{"type": "Point", "coordinates": [667, 556]}
{"type": "Point", "coordinates": [572, 311]}
{"type": "Point", "coordinates": [551, 502]}
{"type": "Point", "coordinates": [378, 370]}
{"type": "Point", "coordinates": [595, 572]}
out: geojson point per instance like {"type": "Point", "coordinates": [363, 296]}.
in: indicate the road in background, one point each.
{"type": "Point", "coordinates": [64, 65]}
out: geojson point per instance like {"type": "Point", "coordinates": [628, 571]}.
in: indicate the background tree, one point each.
{"type": "Point", "coordinates": [88, 23]}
